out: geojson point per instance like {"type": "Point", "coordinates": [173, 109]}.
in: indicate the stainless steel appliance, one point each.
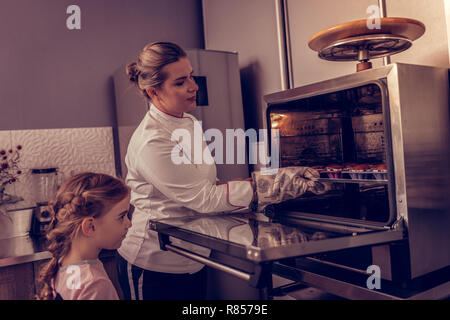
{"type": "Point", "coordinates": [380, 140]}
{"type": "Point", "coordinates": [397, 116]}
{"type": "Point", "coordinates": [45, 184]}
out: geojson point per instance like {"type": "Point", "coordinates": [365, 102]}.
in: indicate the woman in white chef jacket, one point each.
{"type": "Point", "coordinates": [161, 188]}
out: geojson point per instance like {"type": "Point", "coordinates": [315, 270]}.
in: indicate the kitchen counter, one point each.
{"type": "Point", "coordinates": [26, 249]}
{"type": "Point", "coordinates": [22, 260]}
{"type": "Point", "coordinates": [20, 205]}
{"type": "Point", "coordinates": [23, 249]}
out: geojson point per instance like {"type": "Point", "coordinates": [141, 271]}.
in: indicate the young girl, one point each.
{"type": "Point", "coordinates": [90, 213]}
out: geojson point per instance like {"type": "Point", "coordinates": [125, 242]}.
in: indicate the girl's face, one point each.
{"type": "Point", "coordinates": [112, 227]}
{"type": "Point", "coordinates": [177, 93]}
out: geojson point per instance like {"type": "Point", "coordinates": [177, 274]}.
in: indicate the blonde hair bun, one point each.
{"type": "Point", "coordinates": [132, 72]}
{"type": "Point", "coordinates": [147, 71]}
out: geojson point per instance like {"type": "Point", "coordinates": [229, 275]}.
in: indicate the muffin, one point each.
{"type": "Point", "coordinates": [334, 171]}
{"type": "Point", "coordinates": [357, 170]}
{"type": "Point", "coordinates": [361, 167]}
{"type": "Point", "coordinates": [379, 171]}
{"type": "Point", "coordinates": [379, 167]}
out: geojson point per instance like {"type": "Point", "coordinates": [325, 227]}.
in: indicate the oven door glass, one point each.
{"type": "Point", "coordinates": [345, 136]}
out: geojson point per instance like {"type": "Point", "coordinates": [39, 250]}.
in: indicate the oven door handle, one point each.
{"type": "Point", "coordinates": [208, 262]}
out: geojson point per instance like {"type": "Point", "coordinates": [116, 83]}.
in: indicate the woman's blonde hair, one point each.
{"type": "Point", "coordinates": [146, 72]}
{"type": "Point", "coordinates": [83, 195]}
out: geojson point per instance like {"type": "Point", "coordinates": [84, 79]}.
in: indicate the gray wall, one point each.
{"type": "Point", "coordinates": [248, 27]}
{"type": "Point", "coordinates": [306, 18]}
{"type": "Point", "coordinates": [447, 20]}
{"type": "Point", "coordinates": [432, 48]}
{"type": "Point", "coordinates": [52, 77]}
{"type": "Point", "coordinates": [309, 17]}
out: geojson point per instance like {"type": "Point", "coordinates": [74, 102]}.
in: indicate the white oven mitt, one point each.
{"type": "Point", "coordinates": [287, 183]}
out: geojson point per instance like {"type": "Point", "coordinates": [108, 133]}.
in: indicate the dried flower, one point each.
{"type": "Point", "coordinates": [9, 169]}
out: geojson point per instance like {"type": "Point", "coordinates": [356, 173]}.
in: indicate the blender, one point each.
{"type": "Point", "coordinates": [44, 184]}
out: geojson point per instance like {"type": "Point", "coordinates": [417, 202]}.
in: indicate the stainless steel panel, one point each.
{"type": "Point", "coordinates": [224, 111]}
{"type": "Point", "coordinates": [419, 105]}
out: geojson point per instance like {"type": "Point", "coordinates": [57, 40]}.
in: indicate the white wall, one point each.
{"type": "Point", "coordinates": [432, 48]}
{"type": "Point", "coordinates": [306, 18]}
{"type": "Point", "coordinates": [309, 17]}
{"type": "Point", "coordinates": [447, 19]}
{"type": "Point", "coordinates": [249, 28]}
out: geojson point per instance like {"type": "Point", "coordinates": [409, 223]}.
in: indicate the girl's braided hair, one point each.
{"type": "Point", "coordinates": [83, 195]}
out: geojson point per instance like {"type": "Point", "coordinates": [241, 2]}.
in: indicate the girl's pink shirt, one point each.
{"type": "Point", "coordinates": [85, 280]}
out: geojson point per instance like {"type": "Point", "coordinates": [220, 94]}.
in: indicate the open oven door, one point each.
{"type": "Point", "coordinates": [254, 237]}
{"type": "Point", "coordinates": [253, 243]}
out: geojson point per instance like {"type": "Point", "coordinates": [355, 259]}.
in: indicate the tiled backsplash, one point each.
{"type": "Point", "coordinates": [69, 150]}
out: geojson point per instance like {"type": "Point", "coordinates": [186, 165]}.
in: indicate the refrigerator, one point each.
{"type": "Point", "coordinates": [219, 106]}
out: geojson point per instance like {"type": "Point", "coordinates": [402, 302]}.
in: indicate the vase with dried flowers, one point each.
{"type": "Point", "coordinates": [9, 173]}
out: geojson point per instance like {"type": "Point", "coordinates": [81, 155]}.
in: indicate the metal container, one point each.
{"type": "Point", "coordinates": [15, 223]}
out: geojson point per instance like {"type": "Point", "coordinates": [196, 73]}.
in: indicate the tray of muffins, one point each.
{"type": "Point", "coordinates": [353, 172]}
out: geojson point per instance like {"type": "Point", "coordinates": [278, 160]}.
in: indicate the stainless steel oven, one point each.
{"type": "Point", "coordinates": [380, 140]}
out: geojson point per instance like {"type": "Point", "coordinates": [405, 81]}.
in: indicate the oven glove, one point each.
{"type": "Point", "coordinates": [287, 183]}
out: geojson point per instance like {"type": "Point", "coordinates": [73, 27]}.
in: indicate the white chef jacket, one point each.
{"type": "Point", "coordinates": [162, 189]}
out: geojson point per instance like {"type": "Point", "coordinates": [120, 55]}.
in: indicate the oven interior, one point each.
{"type": "Point", "coordinates": [344, 135]}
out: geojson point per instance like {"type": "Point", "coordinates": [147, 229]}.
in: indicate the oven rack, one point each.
{"type": "Point", "coordinates": [343, 180]}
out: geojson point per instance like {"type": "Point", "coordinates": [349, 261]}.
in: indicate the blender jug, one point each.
{"type": "Point", "coordinates": [44, 184]}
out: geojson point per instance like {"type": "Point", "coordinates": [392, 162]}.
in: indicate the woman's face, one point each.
{"type": "Point", "coordinates": [177, 94]}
